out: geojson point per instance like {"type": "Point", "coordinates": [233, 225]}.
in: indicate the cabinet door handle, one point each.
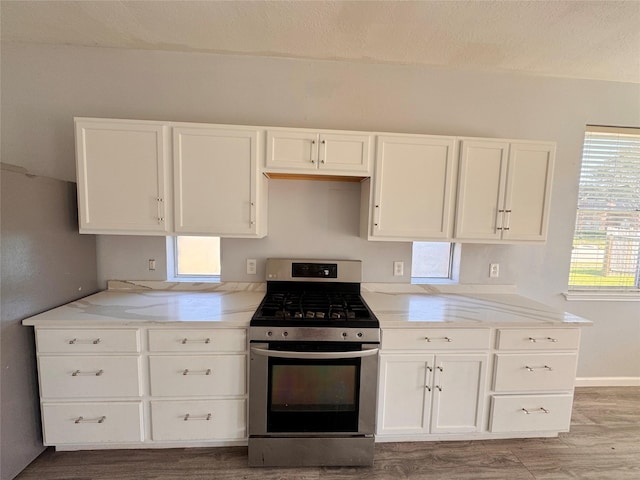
{"type": "Point", "coordinates": [206, 417]}
{"type": "Point", "coordinates": [186, 371]}
{"type": "Point", "coordinates": [75, 341]}
{"type": "Point", "coordinates": [160, 210]}
{"type": "Point", "coordinates": [185, 340]}
{"type": "Point", "coordinates": [376, 216]}
{"type": "Point", "coordinates": [545, 367]}
{"type": "Point", "coordinates": [90, 420]}
{"type": "Point", "coordinates": [537, 410]}
{"type": "Point", "coordinates": [542, 339]}
{"type": "Point", "coordinates": [432, 339]}
{"type": "Point", "coordinates": [439, 388]}
{"type": "Point", "coordinates": [508, 218]}
{"type": "Point", "coordinates": [77, 373]}
{"type": "Point", "coordinates": [428, 388]}
{"type": "Point", "coordinates": [323, 151]}
{"type": "Point", "coordinates": [500, 220]}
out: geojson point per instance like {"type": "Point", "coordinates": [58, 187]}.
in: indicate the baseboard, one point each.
{"type": "Point", "coordinates": [607, 382]}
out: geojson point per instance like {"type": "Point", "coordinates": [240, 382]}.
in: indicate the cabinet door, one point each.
{"type": "Point", "coordinates": [458, 393]}
{"type": "Point", "coordinates": [528, 192]}
{"type": "Point", "coordinates": [481, 187]}
{"type": "Point", "coordinates": [292, 150]}
{"type": "Point", "coordinates": [215, 175]}
{"type": "Point", "coordinates": [413, 188]}
{"type": "Point", "coordinates": [121, 176]}
{"type": "Point", "coordinates": [345, 153]}
{"type": "Point", "coordinates": [404, 394]}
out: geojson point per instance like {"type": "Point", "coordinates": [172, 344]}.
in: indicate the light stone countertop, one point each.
{"type": "Point", "coordinates": [233, 304]}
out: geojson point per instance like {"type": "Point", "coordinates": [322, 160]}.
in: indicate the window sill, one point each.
{"type": "Point", "coordinates": [602, 296]}
{"type": "Point", "coordinates": [195, 279]}
{"type": "Point", "coordinates": [433, 280]}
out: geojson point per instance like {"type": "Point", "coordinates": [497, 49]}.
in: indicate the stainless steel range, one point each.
{"type": "Point", "coordinates": [313, 367]}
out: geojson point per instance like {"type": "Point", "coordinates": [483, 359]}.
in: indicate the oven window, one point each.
{"type": "Point", "coordinates": [313, 395]}
{"type": "Point", "coordinates": [312, 388]}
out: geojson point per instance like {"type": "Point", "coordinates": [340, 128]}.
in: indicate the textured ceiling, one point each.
{"type": "Point", "coordinates": [576, 39]}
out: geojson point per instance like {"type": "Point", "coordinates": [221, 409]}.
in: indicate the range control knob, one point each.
{"type": "Point", "coordinates": [344, 334]}
{"type": "Point", "coordinates": [360, 334]}
{"type": "Point", "coordinates": [285, 334]}
{"type": "Point", "coordinates": [269, 333]}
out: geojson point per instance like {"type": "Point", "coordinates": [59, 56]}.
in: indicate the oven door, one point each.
{"type": "Point", "coordinates": [312, 388]}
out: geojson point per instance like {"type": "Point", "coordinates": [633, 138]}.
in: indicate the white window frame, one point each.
{"type": "Point", "coordinates": [172, 266]}
{"type": "Point", "coordinates": [628, 164]}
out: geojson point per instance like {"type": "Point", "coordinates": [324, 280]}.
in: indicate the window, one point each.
{"type": "Point", "coordinates": [196, 257]}
{"type": "Point", "coordinates": [606, 243]}
{"type": "Point", "coordinates": [431, 260]}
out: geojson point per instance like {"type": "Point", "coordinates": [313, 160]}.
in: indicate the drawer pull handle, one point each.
{"type": "Point", "coordinates": [206, 417]}
{"type": "Point", "coordinates": [88, 420]}
{"type": "Point", "coordinates": [446, 339]}
{"type": "Point", "coordinates": [185, 340]}
{"type": "Point", "coordinates": [77, 373]}
{"type": "Point", "coordinates": [548, 339]}
{"type": "Point", "coordinates": [546, 367]}
{"type": "Point", "coordinates": [186, 371]}
{"type": "Point", "coordinates": [537, 410]}
{"type": "Point", "coordinates": [75, 341]}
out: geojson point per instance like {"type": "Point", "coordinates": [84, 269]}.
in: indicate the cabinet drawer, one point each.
{"type": "Point", "coordinates": [198, 340]}
{"type": "Point", "coordinates": [205, 375]}
{"type": "Point", "coordinates": [87, 340]}
{"type": "Point", "coordinates": [436, 339]}
{"type": "Point", "coordinates": [199, 420]}
{"type": "Point", "coordinates": [84, 376]}
{"type": "Point", "coordinates": [79, 423]}
{"type": "Point", "coordinates": [538, 339]}
{"type": "Point", "coordinates": [545, 413]}
{"type": "Point", "coordinates": [535, 372]}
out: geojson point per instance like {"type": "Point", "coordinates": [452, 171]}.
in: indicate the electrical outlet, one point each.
{"type": "Point", "coordinates": [152, 264]}
{"type": "Point", "coordinates": [251, 266]}
{"type": "Point", "coordinates": [494, 270]}
{"type": "Point", "coordinates": [398, 269]}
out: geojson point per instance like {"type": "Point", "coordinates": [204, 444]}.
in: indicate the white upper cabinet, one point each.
{"type": "Point", "coordinates": [126, 171]}
{"type": "Point", "coordinates": [122, 183]}
{"type": "Point", "coordinates": [504, 191]}
{"type": "Point", "coordinates": [413, 190]}
{"type": "Point", "coordinates": [323, 153]}
{"type": "Point", "coordinates": [216, 182]}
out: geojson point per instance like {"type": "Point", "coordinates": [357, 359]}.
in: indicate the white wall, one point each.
{"type": "Point", "coordinates": [45, 87]}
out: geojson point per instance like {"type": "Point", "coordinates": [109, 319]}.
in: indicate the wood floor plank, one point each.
{"type": "Point", "coordinates": [604, 443]}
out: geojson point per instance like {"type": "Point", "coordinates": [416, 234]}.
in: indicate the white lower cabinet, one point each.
{"type": "Point", "coordinates": [147, 386]}
{"type": "Point", "coordinates": [530, 413]}
{"type": "Point", "coordinates": [475, 383]}
{"type": "Point", "coordinates": [533, 379]}
{"type": "Point", "coordinates": [198, 385]}
{"type": "Point", "coordinates": [198, 420]}
{"type": "Point", "coordinates": [421, 394]}
{"type": "Point", "coordinates": [92, 422]}
{"type": "Point", "coordinates": [194, 375]}
{"type": "Point", "coordinates": [89, 376]}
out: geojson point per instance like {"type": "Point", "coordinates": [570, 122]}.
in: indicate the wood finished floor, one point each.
{"type": "Point", "coordinates": [604, 443]}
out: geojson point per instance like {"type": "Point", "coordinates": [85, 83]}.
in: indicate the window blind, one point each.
{"type": "Point", "coordinates": [606, 243]}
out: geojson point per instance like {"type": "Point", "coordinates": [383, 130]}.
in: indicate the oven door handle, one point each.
{"type": "Point", "coordinates": [315, 355]}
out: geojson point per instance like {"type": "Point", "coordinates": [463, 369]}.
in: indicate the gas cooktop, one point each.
{"type": "Point", "coordinates": [314, 293]}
